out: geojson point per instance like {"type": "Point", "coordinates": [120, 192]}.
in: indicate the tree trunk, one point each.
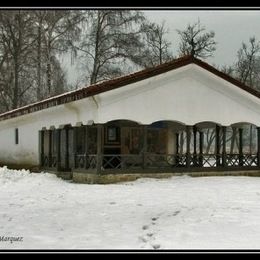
{"type": "Point", "coordinates": [95, 70]}
{"type": "Point", "coordinates": [48, 73]}
{"type": "Point", "coordinates": [16, 84]}
{"type": "Point", "coordinates": [39, 81]}
{"type": "Point", "coordinates": [234, 134]}
{"type": "Point", "coordinates": [210, 138]}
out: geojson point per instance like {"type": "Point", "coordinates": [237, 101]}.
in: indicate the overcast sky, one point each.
{"type": "Point", "coordinates": [231, 28]}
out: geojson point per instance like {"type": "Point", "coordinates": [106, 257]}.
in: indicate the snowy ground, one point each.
{"type": "Point", "coordinates": [177, 213]}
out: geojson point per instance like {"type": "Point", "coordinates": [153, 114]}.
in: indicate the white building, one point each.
{"type": "Point", "coordinates": [158, 119]}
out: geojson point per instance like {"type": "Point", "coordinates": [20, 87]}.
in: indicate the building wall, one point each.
{"type": "Point", "coordinates": [189, 95]}
{"type": "Point", "coordinates": [27, 151]}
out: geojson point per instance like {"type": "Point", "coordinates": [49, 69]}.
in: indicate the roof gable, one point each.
{"type": "Point", "coordinates": [120, 82]}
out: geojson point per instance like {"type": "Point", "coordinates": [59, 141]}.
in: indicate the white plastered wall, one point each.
{"type": "Point", "coordinates": [189, 95]}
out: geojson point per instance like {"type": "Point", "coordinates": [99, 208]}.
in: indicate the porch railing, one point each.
{"type": "Point", "coordinates": [48, 161]}
{"type": "Point", "coordinates": [85, 161]}
{"type": "Point", "coordinates": [164, 161]}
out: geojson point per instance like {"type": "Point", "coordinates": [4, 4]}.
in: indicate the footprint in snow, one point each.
{"type": "Point", "coordinates": [175, 213]}
{"type": "Point", "coordinates": [143, 239]}
{"type": "Point", "coordinates": [156, 246]}
{"type": "Point", "coordinates": [145, 227]}
{"type": "Point", "coordinates": [112, 203]}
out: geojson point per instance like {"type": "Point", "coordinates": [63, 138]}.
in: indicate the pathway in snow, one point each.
{"type": "Point", "coordinates": [176, 213]}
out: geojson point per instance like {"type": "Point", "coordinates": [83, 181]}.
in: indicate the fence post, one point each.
{"type": "Point", "coordinates": [258, 147]}
{"type": "Point", "coordinates": [201, 149]}
{"type": "Point", "coordinates": [217, 145]}
{"type": "Point", "coordinates": [224, 151]}
{"type": "Point", "coordinates": [144, 146]}
{"type": "Point", "coordinates": [188, 155]}
{"type": "Point", "coordinates": [195, 162]}
{"type": "Point", "coordinates": [50, 148]}
{"type": "Point", "coordinates": [240, 130]}
{"type": "Point", "coordinates": [177, 159]}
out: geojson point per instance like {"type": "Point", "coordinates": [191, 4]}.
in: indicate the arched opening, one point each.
{"type": "Point", "coordinates": [162, 145]}
{"type": "Point", "coordinates": [122, 122]}
{"type": "Point", "coordinates": [209, 140]}
{"type": "Point", "coordinates": [162, 136]}
{"type": "Point", "coordinates": [242, 144]}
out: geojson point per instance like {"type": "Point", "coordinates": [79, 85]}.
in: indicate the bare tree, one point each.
{"type": "Point", "coordinates": [156, 49]}
{"type": "Point", "coordinates": [61, 27]}
{"type": "Point", "coordinates": [228, 69]}
{"type": "Point", "coordinates": [15, 33]}
{"type": "Point", "coordinates": [195, 41]}
{"type": "Point", "coordinates": [246, 66]}
{"type": "Point", "coordinates": [40, 16]}
{"type": "Point", "coordinates": [247, 71]}
{"type": "Point", "coordinates": [110, 39]}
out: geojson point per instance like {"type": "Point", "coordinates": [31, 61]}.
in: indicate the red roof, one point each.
{"type": "Point", "coordinates": [120, 82]}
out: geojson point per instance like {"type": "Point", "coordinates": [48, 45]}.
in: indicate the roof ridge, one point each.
{"type": "Point", "coordinates": [111, 84]}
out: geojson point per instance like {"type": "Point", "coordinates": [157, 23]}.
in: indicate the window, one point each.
{"type": "Point", "coordinates": [112, 135]}
{"type": "Point", "coordinates": [16, 136]}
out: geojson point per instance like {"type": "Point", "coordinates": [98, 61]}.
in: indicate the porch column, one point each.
{"type": "Point", "coordinates": [67, 148]}
{"type": "Point", "coordinates": [201, 149]}
{"type": "Point", "coordinates": [58, 148]}
{"type": "Point", "coordinates": [41, 147]}
{"type": "Point", "coordinates": [85, 146]}
{"type": "Point", "coordinates": [75, 133]}
{"type": "Point", "coordinates": [217, 145]}
{"type": "Point", "coordinates": [188, 155]}
{"type": "Point", "coordinates": [177, 149]}
{"type": "Point", "coordinates": [224, 151]}
{"type": "Point", "coordinates": [99, 148]}
{"type": "Point", "coordinates": [50, 148]}
{"type": "Point", "coordinates": [195, 146]}
{"type": "Point", "coordinates": [144, 145]}
{"type": "Point", "coordinates": [240, 131]}
{"type": "Point", "coordinates": [258, 146]}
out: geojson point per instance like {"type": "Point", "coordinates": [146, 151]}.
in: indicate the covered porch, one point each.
{"type": "Point", "coordinates": [124, 146]}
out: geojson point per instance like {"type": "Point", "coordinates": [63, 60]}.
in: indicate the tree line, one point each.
{"type": "Point", "coordinates": [108, 44]}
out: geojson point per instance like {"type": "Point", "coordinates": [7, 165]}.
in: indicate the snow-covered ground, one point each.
{"type": "Point", "coordinates": [176, 213]}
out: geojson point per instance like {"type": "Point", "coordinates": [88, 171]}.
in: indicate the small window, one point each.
{"type": "Point", "coordinates": [112, 135]}
{"type": "Point", "coordinates": [16, 136]}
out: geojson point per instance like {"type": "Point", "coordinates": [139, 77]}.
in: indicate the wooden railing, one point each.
{"type": "Point", "coordinates": [156, 161]}
{"type": "Point", "coordinates": [85, 161]}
